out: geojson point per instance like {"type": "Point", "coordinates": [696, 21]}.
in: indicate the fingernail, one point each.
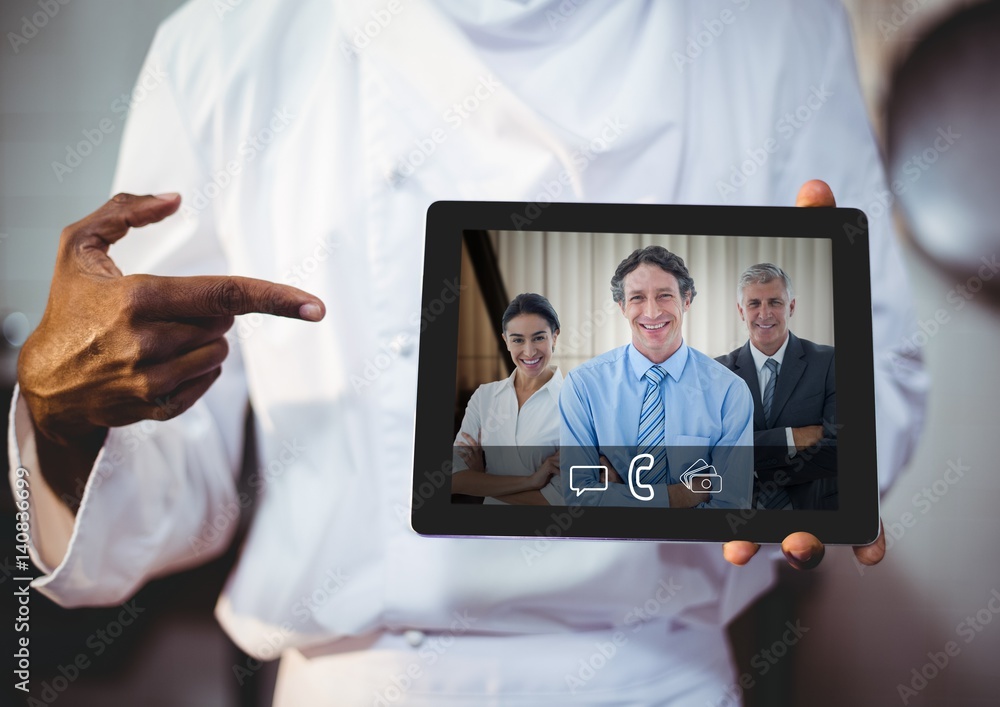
{"type": "Point", "coordinates": [801, 555]}
{"type": "Point", "coordinates": [311, 312]}
{"type": "Point", "coordinates": [167, 196]}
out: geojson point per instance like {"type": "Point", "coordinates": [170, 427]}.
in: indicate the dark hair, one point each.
{"type": "Point", "coordinates": [653, 255]}
{"type": "Point", "coordinates": [530, 303]}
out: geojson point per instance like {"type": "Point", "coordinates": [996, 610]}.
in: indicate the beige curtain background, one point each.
{"type": "Point", "coordinates": [574, 271]}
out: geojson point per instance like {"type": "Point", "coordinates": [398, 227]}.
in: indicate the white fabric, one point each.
{"type": "Point", "coordinates": [515, 441]}
{"type": "Point", "coordinates": [321, 200]}
{"type": "Point", "coordinates": [595, 667]}
{"type": "Point", "coordinates": [764, 375]}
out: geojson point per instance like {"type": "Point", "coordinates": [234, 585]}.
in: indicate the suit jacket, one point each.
{"type": "Point", "coordinates": [805, 394]}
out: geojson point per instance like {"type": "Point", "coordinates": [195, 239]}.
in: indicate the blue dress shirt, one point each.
{"type": "Point", "coordinates": [708, 416]}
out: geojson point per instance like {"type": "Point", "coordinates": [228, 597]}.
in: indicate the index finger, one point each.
{"type": "Point", "coordinates": [224, 295]}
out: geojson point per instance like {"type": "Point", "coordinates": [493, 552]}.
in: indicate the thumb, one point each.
{"type": "Point", "coordinates": [89, 238]}
{"type": "Point", "coordinates": [815, 192]}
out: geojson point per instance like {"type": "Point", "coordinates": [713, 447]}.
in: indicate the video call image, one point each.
{"type": "Point", "coordinates": [640, 370]}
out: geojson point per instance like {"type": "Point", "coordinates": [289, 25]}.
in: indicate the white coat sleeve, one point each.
{"type": "Point", "coordinates": [161, 495]}
{"type": "Point", "coordinates": [836, 144]}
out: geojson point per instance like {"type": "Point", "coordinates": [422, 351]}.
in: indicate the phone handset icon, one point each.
{"type": "Point", "coordinates": [634, 480]}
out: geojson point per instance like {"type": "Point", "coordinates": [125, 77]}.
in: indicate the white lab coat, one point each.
{"type": "Point", "coordinates": [302, 160]}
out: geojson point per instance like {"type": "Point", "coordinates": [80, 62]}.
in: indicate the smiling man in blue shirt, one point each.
{"type": "Point", "coordinates": [655, 396]}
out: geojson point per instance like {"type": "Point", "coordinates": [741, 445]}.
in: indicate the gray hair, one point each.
{"type": "Point", "coordinates": [653, 255]}
{"type": "Point", "coordinates": [761, 274]}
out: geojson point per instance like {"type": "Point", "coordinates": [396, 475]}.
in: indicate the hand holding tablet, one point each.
{"type": "Point", "coordinates": [805, 550]}
{"type": "Point", "coordinates": [642, 393]}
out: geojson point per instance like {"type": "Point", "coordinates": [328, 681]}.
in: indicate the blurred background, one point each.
{"type": "Point", "coordinates": [874, 634]}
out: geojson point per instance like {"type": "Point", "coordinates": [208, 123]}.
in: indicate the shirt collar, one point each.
{"type": "Point", "coordinates": [760, 358]}
{"type": "Point", "coordinates": [674, 365]}
{"type": "Point", "coordinates": [553, 385]}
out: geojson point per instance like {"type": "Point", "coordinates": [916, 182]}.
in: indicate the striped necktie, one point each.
{"type": "Point", "coordinates": [652, 421]}
{"type": "Point", "coordinates": [768, 399]}
{"type": "Point", "coordinates": [777, 497]}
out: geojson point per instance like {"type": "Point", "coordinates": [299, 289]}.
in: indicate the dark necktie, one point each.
{"type": "Point", "coordinates": [777, 497]}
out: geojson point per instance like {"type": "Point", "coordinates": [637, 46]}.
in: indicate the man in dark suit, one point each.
{"type": "Point", "coordinates": [793, 387]}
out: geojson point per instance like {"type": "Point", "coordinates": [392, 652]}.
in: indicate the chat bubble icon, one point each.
{"type": "Point", "coordinates": [587, 478]}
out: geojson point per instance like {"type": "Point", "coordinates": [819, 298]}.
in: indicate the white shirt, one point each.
{"type": "Point", "coordinates": [764, 375]}
{"type": "Point", "coordinates": [292, 161]}
{"type": "Point", "coordinates": [515, 441]}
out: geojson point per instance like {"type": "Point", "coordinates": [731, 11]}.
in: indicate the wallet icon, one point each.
{"type": "Point", "coordinates": [701, 477]}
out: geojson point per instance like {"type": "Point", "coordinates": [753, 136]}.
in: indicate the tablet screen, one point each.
{"type": "Point", "coordinates": [676, 381]}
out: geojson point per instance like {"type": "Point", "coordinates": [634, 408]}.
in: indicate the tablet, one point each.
{"type": "Point", "coordinates": [645, 372]}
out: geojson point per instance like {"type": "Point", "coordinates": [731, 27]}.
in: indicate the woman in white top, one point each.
{"type": "Point", "coordinates": [507, 449]}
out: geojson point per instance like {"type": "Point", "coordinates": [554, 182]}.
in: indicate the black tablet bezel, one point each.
{"type": "Point", "coordinates": [855, 522]}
